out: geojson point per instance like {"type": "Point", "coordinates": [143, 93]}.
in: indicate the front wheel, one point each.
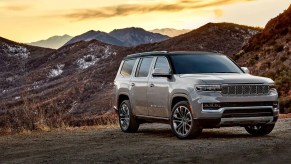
{"type": "Point", "coordinates": [260, 130]}
{"type": "Point", "coordinates": [127, 121]}
{"type": "Point", "coordinates": [182, 123]}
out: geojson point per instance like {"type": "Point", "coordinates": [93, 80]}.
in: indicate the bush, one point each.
{"type": "Point", "coordinates": [285, 105]}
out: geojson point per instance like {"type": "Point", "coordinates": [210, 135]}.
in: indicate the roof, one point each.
{"type": "Point", "coordinates": [163, 53]}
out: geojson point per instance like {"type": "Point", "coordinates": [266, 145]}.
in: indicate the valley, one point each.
{"type": "Point", "coordinates": [72, 85]}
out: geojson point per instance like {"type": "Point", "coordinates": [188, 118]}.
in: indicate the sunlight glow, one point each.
{"type": "Point", "coordinates": [31, 20]}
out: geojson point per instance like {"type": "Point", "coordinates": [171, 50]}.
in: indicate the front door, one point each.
{"type": "Point", "coordinates": [139, 85]}
{"type": "Point", "coordinates": [158, 91]}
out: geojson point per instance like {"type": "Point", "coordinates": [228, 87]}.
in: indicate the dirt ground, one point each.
{"type": "Point", "coordinates": [154, 143]}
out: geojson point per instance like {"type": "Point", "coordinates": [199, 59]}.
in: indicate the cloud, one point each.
{"type": "Point", "coordinates": [141, 8]}
{"type": "Point", "coordinates": [15, 7]}
{"type": "Point", "coordinates": [218, 13]}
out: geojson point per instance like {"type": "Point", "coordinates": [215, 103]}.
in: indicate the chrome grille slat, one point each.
{"type": "Point", "coordinates": [245, 89]}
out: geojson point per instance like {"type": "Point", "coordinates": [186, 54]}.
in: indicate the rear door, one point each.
{"type": "Point", "coordinates": [158, 90]}
{"type": "Point", "coordinates": [139, 85]}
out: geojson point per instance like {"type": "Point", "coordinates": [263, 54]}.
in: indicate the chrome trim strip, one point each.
{"type": "Point", "coordinates": [221, 110]}
{"type": "Point", "coordinates": [238, 120]}
{"type": "Point", "coordinates": [153, 117]}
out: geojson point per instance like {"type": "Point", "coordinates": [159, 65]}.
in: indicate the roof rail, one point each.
{"type": "Point", "coordinates": [144, 53]}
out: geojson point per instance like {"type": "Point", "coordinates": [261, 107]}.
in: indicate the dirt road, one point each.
{"type": "Point", "coordinates": [153, 143]}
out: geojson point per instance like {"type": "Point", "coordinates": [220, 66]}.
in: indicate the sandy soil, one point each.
{"type": "Point", "coordinates": [153, 143]}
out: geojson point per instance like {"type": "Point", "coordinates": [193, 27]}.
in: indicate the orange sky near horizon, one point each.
{"type": "Point", "coordinates": [32, 20]}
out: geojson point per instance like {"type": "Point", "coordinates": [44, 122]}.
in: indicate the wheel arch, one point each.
{"type": "Point", "coordinates": [122, 97]}
{"type": "Point", "coordinates": [177, 98]}
{"type": "Point", "coordinates": [182, 97]}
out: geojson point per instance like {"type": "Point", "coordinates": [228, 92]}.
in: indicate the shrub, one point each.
{"type": "Point", "coordinates": [285, 105]}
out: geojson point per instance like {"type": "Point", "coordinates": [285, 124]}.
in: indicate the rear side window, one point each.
{"type": "Point", "coordinates": [144, 67]}
{"type": "Point", "coordinates": [162, 63]}
{"type": "Point", "coordinates": [127, 68]}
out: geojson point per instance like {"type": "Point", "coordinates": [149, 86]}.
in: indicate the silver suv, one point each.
{"type": "Point", "coordinates": [191, 91]}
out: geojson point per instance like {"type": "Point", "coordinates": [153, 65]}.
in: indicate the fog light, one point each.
{"type": "Point", "coordinates": [211, 106]}
{"type": "Point", "coordinates": [275, 104]}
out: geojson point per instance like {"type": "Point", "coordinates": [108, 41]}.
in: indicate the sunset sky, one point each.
{"type": "Point", "coordinates": [31, 20]}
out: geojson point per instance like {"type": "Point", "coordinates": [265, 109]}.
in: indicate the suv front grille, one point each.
{"type": "Point", "coordinates": [245, 89]}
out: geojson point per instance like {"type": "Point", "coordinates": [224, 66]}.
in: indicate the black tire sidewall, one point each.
{"type": "Point", "coordinates": [133, 125]}
{"type": "Point", "coordinates": [264, 130]}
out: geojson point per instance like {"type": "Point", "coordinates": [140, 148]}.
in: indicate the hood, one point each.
{"type": "Point", "coordinates": [229, 78]}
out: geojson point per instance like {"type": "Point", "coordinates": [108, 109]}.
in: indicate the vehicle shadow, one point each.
{"type": "Point", "coordinates": [164, 133]}
{"type": "Point", "coordinates": [206, 134]}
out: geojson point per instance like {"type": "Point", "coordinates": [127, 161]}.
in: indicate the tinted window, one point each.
{"type": "Point", "coordinates": [127, 67]}
{"type": "Point", "coordinates": [144, 67]}
{"type": "Point", "coordinates": [162, 63]}
{"type": "Point", "coordinates": [209, 63]}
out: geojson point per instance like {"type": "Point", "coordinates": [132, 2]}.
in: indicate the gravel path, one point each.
{"type": "Point", "coordinates": [154, 143]}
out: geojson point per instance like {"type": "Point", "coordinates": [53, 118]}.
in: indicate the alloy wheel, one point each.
{"type": "Point", "coordinates": [182, 120]}
{"type": "Point", "coordinates": [124, 116]}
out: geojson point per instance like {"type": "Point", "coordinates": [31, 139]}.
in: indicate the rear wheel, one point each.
{"type": "Point", "coordinates": [260, 130]}
{"type": "Point", "coordinates": [182, 123]}
{"type": "Point", "coordinates": [127, 121]}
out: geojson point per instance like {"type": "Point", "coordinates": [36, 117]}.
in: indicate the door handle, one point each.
{"type": "Point", "coordinates": [152, 85]}
{"type": "Point", "coordinates": [132, 84]}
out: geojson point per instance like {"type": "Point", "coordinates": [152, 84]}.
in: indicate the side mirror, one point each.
{"type": "Point", "coordinates": [158, 72]}
{"type": "Point", "coordinates": [246, 70]}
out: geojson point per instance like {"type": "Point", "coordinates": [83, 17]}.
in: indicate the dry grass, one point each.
{"type": "Point", "coordinates": [285, 115]}
{"type": "Point", "coordinates": [28, 124]}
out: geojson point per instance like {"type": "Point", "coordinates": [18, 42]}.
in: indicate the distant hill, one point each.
{"type": "Point", "coordinates": [126, 37]}
{"type": "Point", "coordinates": [171, 32]}
{"type": "Point", "coordinates": [135, 36]}
{"type": "Point", "coordinates": [269, 54]}
{"type": "Point", "coordinates": [98, 35]}
{"type": "Point", "coordinates": [54, 42]}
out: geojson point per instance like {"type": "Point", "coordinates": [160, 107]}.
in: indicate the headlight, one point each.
{"type": "Point", "coordinates": [272, 87]}
{"type": "Point", "coordinates": [212, 88]}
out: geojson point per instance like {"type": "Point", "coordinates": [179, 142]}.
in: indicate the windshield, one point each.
{"type": "Point", "coordinates": [208, 63]}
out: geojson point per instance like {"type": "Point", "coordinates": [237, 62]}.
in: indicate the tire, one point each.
{"type": "Point", "coordinates": [260, 130]}
{"type": "Point", "coordinates": [127, 121]}
{"type": "Point", "coordinates": [182, 122]}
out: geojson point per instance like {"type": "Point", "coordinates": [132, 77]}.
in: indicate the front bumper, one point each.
{"type": "Point", "coordinates": [248, 110]}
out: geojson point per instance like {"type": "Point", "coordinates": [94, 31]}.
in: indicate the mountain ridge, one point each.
{"type": "Point", "coordinates": [98, 35]}
{"type": "Point", "coordinates": [133, 36]}
{"type": "Point", "coordinates": [53, 42]}
{"type": "Point", "coordinates": [171, 32]}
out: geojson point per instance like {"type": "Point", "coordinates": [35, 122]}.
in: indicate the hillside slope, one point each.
{"type": "Point", "coordinates": [15, 60]}
{"type": "Point", "coordinates": [66, 86]}
{"type": "Point", "coordinates": [226, 38]}
{"type": "Point", "coordinates": [269, 54]}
